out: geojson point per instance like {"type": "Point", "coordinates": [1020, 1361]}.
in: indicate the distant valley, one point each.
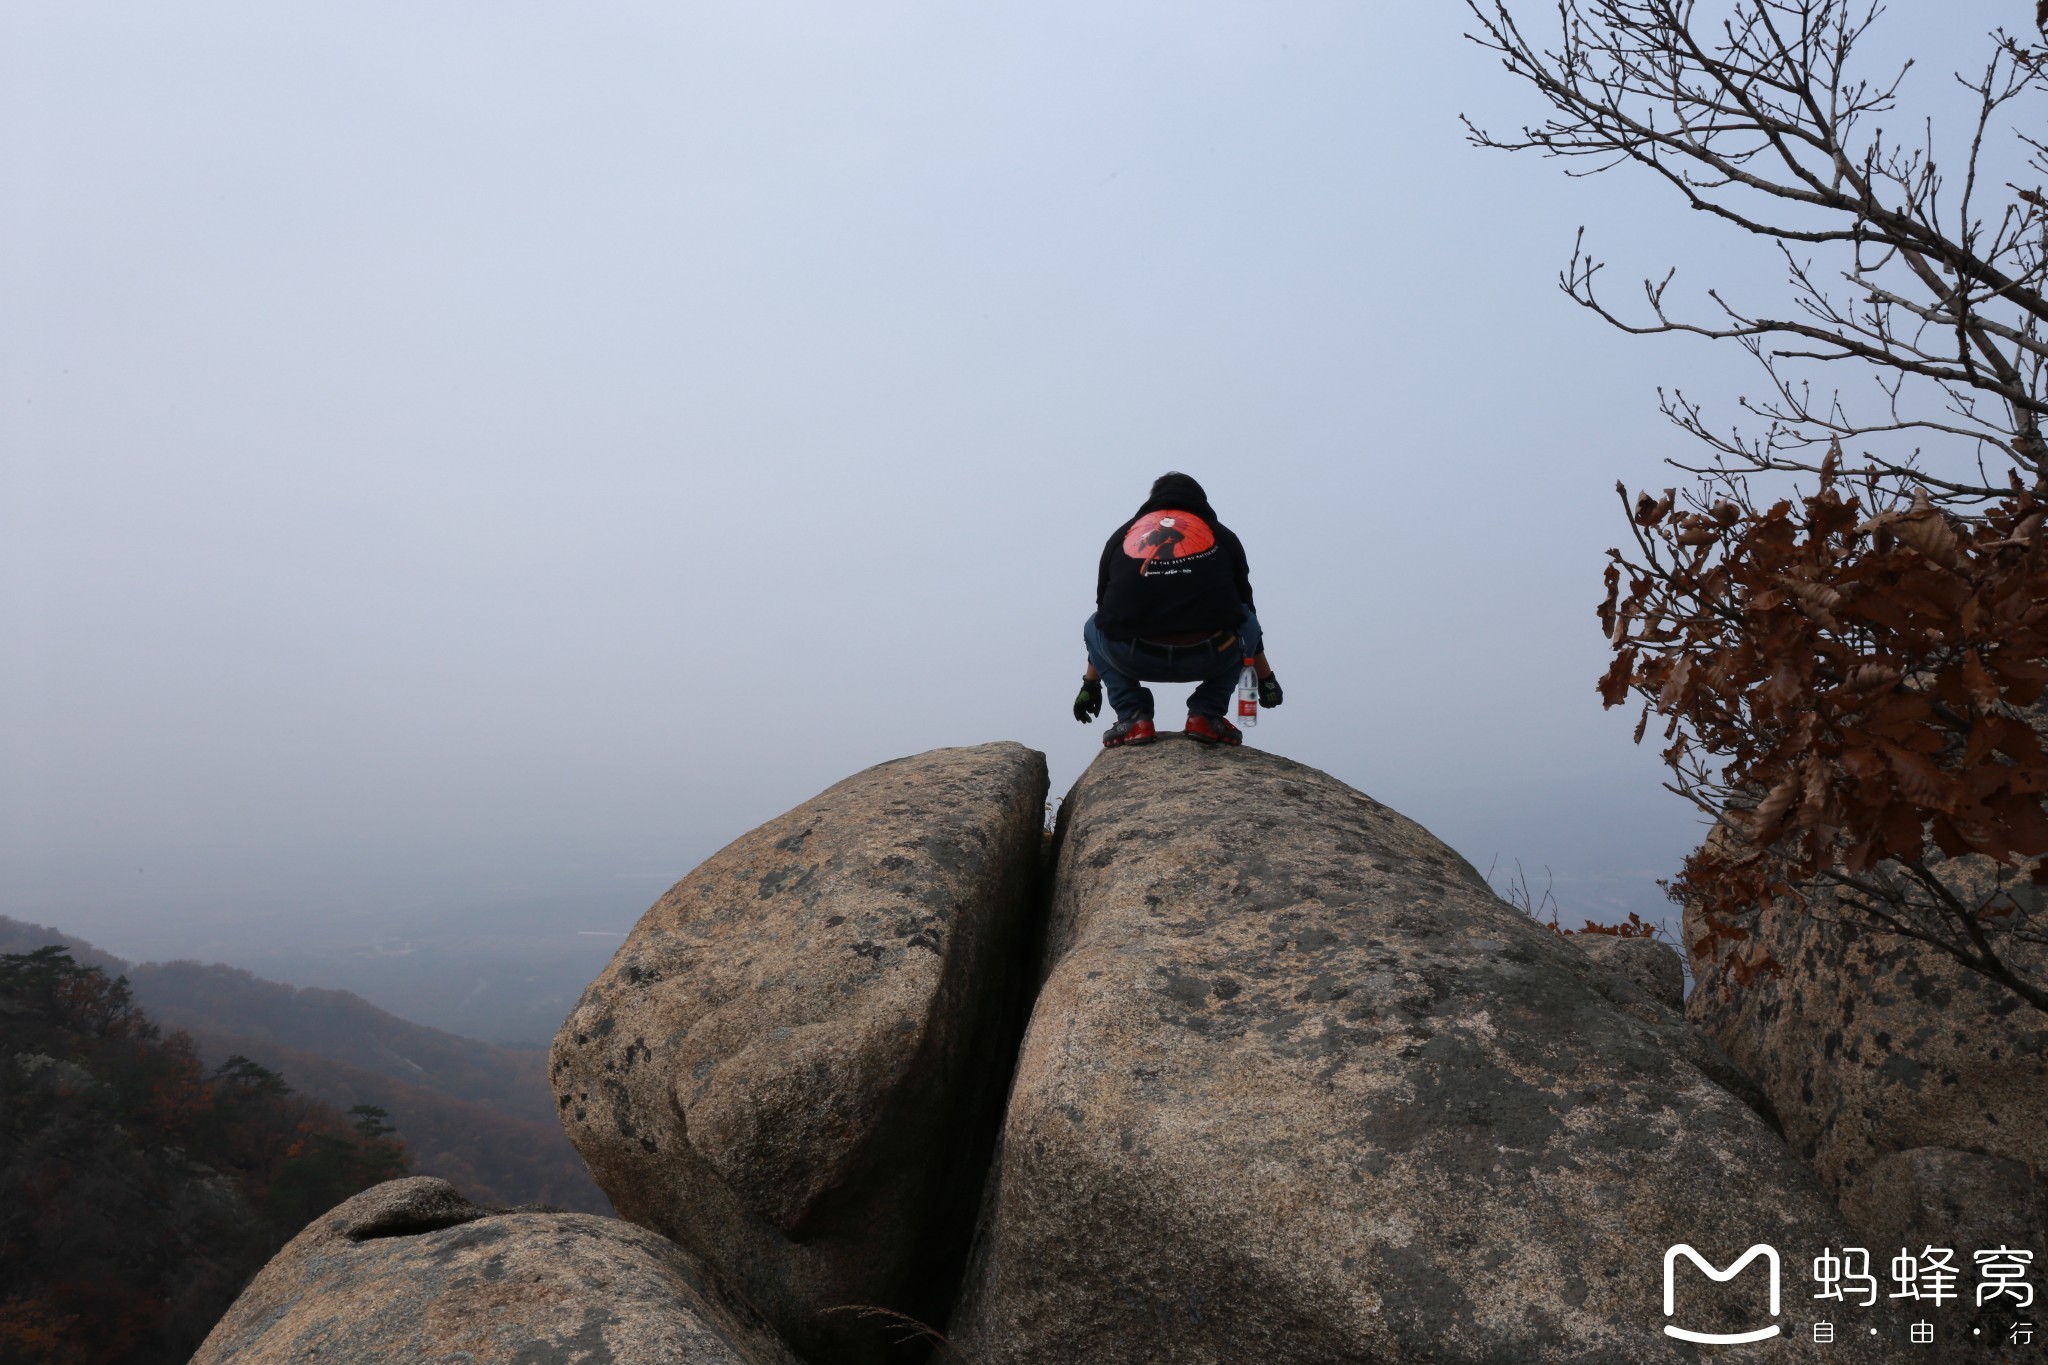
{"type": "Point", "coordinates": [478, 1114]}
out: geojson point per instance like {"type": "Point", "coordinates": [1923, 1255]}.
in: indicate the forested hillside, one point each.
{"type": "Point", "coordinates": [343, 1027]}
{"type": "Point", "coordinates": [473, 1113]}
{"type": "Point", "coordinates": [140, 1187]}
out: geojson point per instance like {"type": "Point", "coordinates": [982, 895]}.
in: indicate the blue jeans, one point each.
{"type": "Point", "coordinates": [1124, 663]}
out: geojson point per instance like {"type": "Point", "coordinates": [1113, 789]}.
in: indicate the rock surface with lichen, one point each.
{"type": "Point", "coordinates": [794, 1065]}
{"type": "Point", "coordinates": [410, 1271]}
{"type": "Point", "coordinates": [1298, 1086]}
{"type": "Point", "coordinates": [1872, 1046]}
{"type": "Point", "coordinates": [1652, 965]}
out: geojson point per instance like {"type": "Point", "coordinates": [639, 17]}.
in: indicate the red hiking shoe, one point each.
{"type": "Point", "coordinates": [1212, 730]}
{"type": "Point", "coordinates": [1129, 732]}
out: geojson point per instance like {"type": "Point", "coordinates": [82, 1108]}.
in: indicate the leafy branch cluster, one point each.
{"type": "Point", "coordinates": [1852, 676]}
{"type": "Point", "coordinates": [1850, 694]}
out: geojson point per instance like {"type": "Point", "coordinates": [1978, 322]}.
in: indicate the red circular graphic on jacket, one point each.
{"type": "Point", "coordinates": [1168, 535]}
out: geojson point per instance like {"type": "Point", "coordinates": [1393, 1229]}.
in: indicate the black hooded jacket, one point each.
{"type": "Point", "coordinates": [1173, 568]}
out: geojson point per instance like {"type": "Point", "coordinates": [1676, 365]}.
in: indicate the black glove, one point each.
{"type": "Point", "coordinates": [1088, 701]}
{"type": "Point", "coordinates": [1269, 690]}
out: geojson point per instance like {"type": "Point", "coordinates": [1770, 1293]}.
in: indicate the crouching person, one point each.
{"type": "Point", "coordinates": [1173, 603]}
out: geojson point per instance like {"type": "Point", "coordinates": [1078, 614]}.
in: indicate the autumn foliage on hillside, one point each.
{"type": "Point", "coordinates": [139, 1190]}
{"type": "Point", "coordinates": [1847, 689]}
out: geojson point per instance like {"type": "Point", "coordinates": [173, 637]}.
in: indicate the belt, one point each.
{"type": "Point", "coordinates": [1216, 640]}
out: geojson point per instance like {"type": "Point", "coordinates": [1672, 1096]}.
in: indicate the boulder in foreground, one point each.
{"type": "Point", "coordinates": [1299, 1087]}
{"type": "Point", "coordinates": [1651, 965]}
{"type": "Point", "coordinates": [410, 1271]}
{"type": "Point", "coordinates": [1872, 1046]}
{"type": "Point", "coordinates": [1939, 1196]}
{"type": "Point", "coordinates": [795, 1064]}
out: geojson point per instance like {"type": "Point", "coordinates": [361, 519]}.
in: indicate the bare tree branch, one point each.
{"type": "Point", "coordinates": [1844, 680]}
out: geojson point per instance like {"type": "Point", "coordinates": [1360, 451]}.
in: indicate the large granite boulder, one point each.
{"type": "Point", "coordinates": [1651, 964]}
{"type": "Point", "coordinates": [794, 1065]}
{"type": "Point", "coordinates": [1871, 1045]}
{"type": "Point", "coordinates": [1939, 1196]}
{"type": "Point", "coordinates": [410, 1271]}
{"type": "Point", "coordinates": [1299, 1087]}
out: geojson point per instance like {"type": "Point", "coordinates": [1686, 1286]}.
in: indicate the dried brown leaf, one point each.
{"type": "Point", "coordinates": [1673, 693]}
{"type": "Point", "coordinates": [1614, 683]}
{"type": "Point", "coordinates": [1901, 828]}
{"type": "Point", "coordinates": [1920, 781]}
{"type": "Point", "coordinates": [1928, 531]}
{"type": "Point", "coordinates": [2024, 825]}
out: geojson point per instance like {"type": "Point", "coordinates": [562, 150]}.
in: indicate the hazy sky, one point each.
{"type": "Point", "coordinates": [455, 451]}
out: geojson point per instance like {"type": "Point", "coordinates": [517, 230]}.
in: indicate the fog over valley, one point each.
{"type": "Point", "coordinates": [584, 767]}
{"type": "Point", "coordinates": [457, 471]}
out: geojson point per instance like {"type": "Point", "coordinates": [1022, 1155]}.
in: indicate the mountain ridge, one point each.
{"type": "Point", "coordinates": [469, 1111]}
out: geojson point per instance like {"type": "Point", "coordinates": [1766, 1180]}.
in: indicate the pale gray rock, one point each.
{"type": "Point", "coordinates": [1654, 967]}
{"type": "Point", "coordinates": [410, 1271]}
{"type": "Point", "coordinates": [794, 1065]}
{"type": "Point", "coordinates": [1299, 1087]}
{"type": "Point", "coordinates": [54, 1072]}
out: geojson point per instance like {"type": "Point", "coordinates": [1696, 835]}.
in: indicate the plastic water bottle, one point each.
{"type": "Point", "coordinates": [1248, 696]}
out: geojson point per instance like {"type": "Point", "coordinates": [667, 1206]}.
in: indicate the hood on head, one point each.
{"type": "Point", "coordinates": [1174, 489]}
